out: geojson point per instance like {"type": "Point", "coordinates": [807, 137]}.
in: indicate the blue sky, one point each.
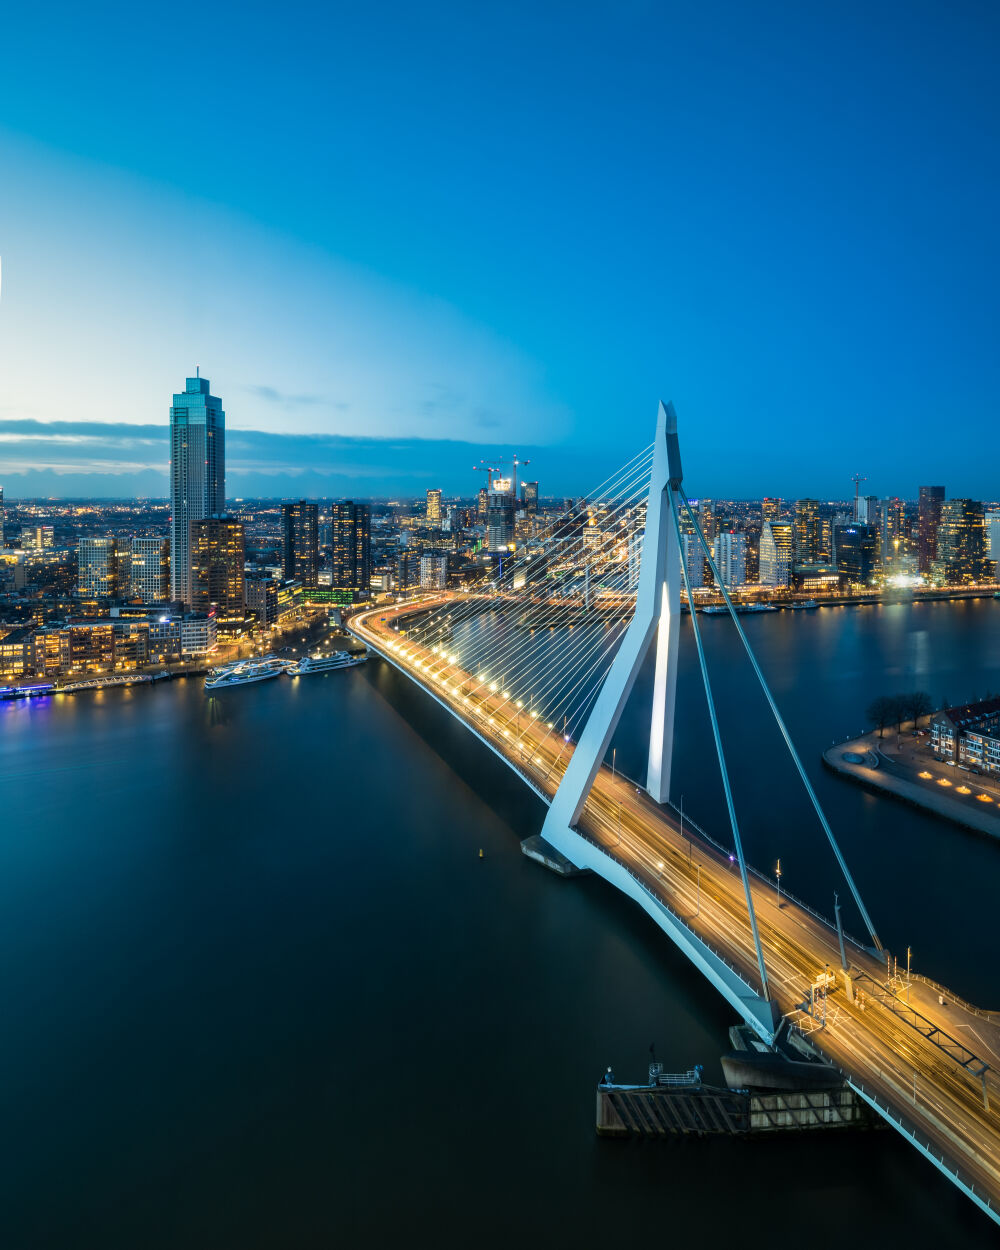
{"type": "Point", "coordinates": [441, 229]}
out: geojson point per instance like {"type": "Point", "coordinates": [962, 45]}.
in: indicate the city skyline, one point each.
{"type": "Point", "coordinates": [817, 281]}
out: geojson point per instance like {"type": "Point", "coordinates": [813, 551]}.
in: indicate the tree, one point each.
{"type": "Point", "coordinates": [919, 704]}
{"type": "Point", "coordinates": [881, 712]}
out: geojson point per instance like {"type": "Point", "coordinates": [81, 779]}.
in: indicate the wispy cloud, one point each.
{"type": "Point", "coordinates": [285, 399]}
{"type": "Point", "coordinates": [93, 458]}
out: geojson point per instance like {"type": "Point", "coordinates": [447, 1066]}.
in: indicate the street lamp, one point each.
{"type": "Point", "coordinates": [777, 873]}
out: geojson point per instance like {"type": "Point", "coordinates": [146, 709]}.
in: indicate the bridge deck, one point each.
{"type": "Point", "coordinates": [912, 1081]}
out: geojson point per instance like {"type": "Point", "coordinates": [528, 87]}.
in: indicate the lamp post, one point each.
{"type": "Point", "coordinates": [614, 752]}
{"type": "Point", "coordinates": [777, 873]}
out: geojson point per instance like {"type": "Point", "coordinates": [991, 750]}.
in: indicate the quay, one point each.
{"type": "Point", "coordinates": [911, 774]}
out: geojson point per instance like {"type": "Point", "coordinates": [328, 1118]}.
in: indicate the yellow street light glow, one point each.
{"type": "Point", "coordinates": [548, 725]}
{"type": "Point", "coordinates": [506, 695]}
{"type": "Point", "coordinates": [493, 686]}
{"type": "Point", "coordinates": [963, 790]}
{"type": "Point", "coordinates": [506, 733]}
{"type": "Point", "coordinates": [943, 781]}
{"type": "Point", "coordinates": [926, 775]}
{"type": "Point", "coordinates": [492, 721]}
{"type": "Point", "coordinates": [466, 699]}
{"type": "Point", "coordinates": [520, 703]}
{"type": "Point", "coordinates": [984, 798]}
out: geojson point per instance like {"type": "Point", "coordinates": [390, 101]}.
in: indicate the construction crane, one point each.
{"type": "Point", "coordinates": [857, 479]}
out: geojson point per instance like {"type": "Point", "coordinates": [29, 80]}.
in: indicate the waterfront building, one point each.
{"type": "Point", "coordinates": [197, 475]}
{"type": "Point", "coordinates": [407, 568]}
{"type": "Point", "coordinates": [777, 554]}
{"type": "Point", "coordinates": [149, 570]}
{"type": "Point", "coordinates": [969, 735]}
{"type": "Point", "coordinates": [770, 510]}
{"type": "Point", "coordinates": [961, 544]}
{"type": "Point", "coordinates": [529, 492]}
{"type": "Point", "coordinates": [893, 530]}
{"type": "Point", "coordinates": [993, 535]}
{"type": "Point", "coordinates": [17, 653]}
{"type": "Point", "coordinates": [730, 552]}
{"type": "Point", "coordinates": [500, 514]}
{"type": "Point", "coordinates": [928, 519]}
{"type": "Point", "coordinates": [482, 506]}
{"type": "Point", "coordinates": [300, 543]}
{"type": "Point", "coordinates": [857, 552]}
{"type": "Point", "coordinates": [351, 550]}
{"type": "Point", "coordinates": [433, 513]}
{"type": "Point", "coordinates": [808, 531]}
{"type": "Point", "coordinates": [218, 556]}
{"type": "Point", "coordinates": [433, 571]}
{"type": "Point", "coordinates": [97, 568]}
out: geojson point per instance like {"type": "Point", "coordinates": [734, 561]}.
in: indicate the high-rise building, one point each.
{"type": "Point", "coordinates": [529, 492]}
{"type": "Point", "coordinates": [1, 518]}
{"type": "Point", "coordinates": [961, 543]}
{"type": "Point", "coordinates": [149, 574]}
{"type": "Point", "coordinates": [300, 543]}
{"type": "Point", "coordinates": [483, 504]}
{"type": "Point", "coordinates": [770, 510]}
{"type": "Point", "coordinates": [351, 548]}
{"type": "Point", "coordinates": [808, 531]}
{"type": "Point", "coordinates": [777, 553]}
{"type": "Point", "coordinates": [197, 474]}
{"type": "Point", "coordinates": [857, 552]}
{"type": "Point", "coordinates": [97, 568]}
{"type": "Point", "coordinates": [218, 556]}
{"type": "Point", "coordinates": [928, 519]}
{"type": "Point", "coordinates": [500, 514]}
{"type": "Point", "coordinates": [730, 552]}
{"type": "Point", "coordinates": [433, 570]}
{"type": "Point", "coordinates": [433, 509]}
{"type": "Point", "coordinates": [993, 535]}
{"type": "Point", "coordinates": [868, 510]}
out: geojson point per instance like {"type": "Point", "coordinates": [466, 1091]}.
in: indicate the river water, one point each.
{"type": "Point", "coordinates": [259, 989]}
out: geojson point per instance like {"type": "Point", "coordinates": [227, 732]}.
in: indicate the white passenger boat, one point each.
{"type": "Point", "coordinates": [243, 672]}
{"type": "Point", "coordinates": [326, 663]}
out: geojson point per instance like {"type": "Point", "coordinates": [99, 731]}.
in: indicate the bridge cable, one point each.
{"type": "Point", "coordinates": [781, 724]}
{"type": "Point", "coordinates": [719, 751]}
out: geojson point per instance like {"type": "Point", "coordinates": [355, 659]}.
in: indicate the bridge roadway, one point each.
{"type": "Point", "coordinates": [916, 1085]}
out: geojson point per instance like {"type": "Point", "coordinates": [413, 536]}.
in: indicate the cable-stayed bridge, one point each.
{"type": "Point", "coordinates": [539, 660]}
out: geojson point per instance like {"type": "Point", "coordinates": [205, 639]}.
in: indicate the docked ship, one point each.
{"type": "Point", "coordinates": [243, 672]}
{"type": "Point", "coordinates": [326, 663]}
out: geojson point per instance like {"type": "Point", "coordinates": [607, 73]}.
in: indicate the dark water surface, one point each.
{"type": "Point", "coordinates": [259, 990]}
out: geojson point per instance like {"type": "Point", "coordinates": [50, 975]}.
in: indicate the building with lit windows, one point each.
{"type": "Point", "coordinates": [218, 556]}
{"type": "Point", "coordinates": [433, 514]}
{"type": "Point", "coordinates": [433, 571]}
{"type": "Point", "coordinates": [149, 570]}
{"type": "Point", "coordinates": [300, 543]}
{"type": "Point", "coordinates": [961, 544]}
{"type": "Point", "coordinates": [808, 531]}
{"type": "Point", "coordinates": [969, 735]}
{"type": "Point", "coordinates": [777, 553]}
{"type": "Point", "coordinates": [529, 493]}
{"type": "Point", "coordinates": [928, 520]}
{"type": "Point", "coordinates": [197, 475]}
{"type": "Point", "coordinates": [770, 510]}
{"type": "Point", "coordinates": [730, 553]}
{"type": "Point", "coordinates": [97, 568]}
{"type": "Point", "coordinates": [351, 550]}
{"type": "Point", "coordinates": [857, 553]}
{"type": "Point", "coordinates": [500, 514]}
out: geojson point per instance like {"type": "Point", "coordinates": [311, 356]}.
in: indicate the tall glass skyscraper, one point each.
{"type": "Point", "coordinates": [197, 474]}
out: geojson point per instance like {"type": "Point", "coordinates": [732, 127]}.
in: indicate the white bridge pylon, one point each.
{"type": "Point", "coordinates": [655, 623]}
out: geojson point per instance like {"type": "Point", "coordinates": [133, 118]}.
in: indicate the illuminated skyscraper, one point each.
{"type": "Point", "coordinates": [961, 543]}
{"type": "Point", "coordinates": [770, 510]}
{"type": "Point", "coordinates": [97, 568]}
{"type": "Point", "coordinates": [300, 543]}
{"type": "Point", "coordinates": [530, 493]}
{"type": "Point", "coordinates": [500, 514]}
{"type": "Point", "coordinates": [149, 572]}
{"type": "Point", "coordinates": [808, 533]}
{"type": "Point", "coordinates": [197, 474]}
{"type": "Point", "coordinates": [777, 544]}
{"type": "Point", "coordinates": [928, 519]}
{"type": "Point", "coordinates": [433, 518]}
{"type": "Point", "coordinates": [730, 552]}
{"type": "Point", "coordinates": [218, 556]}
{"type": "Point", "coordinates": [857, 551]}
{"type": "Point", "coordinates": [351, 549]}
